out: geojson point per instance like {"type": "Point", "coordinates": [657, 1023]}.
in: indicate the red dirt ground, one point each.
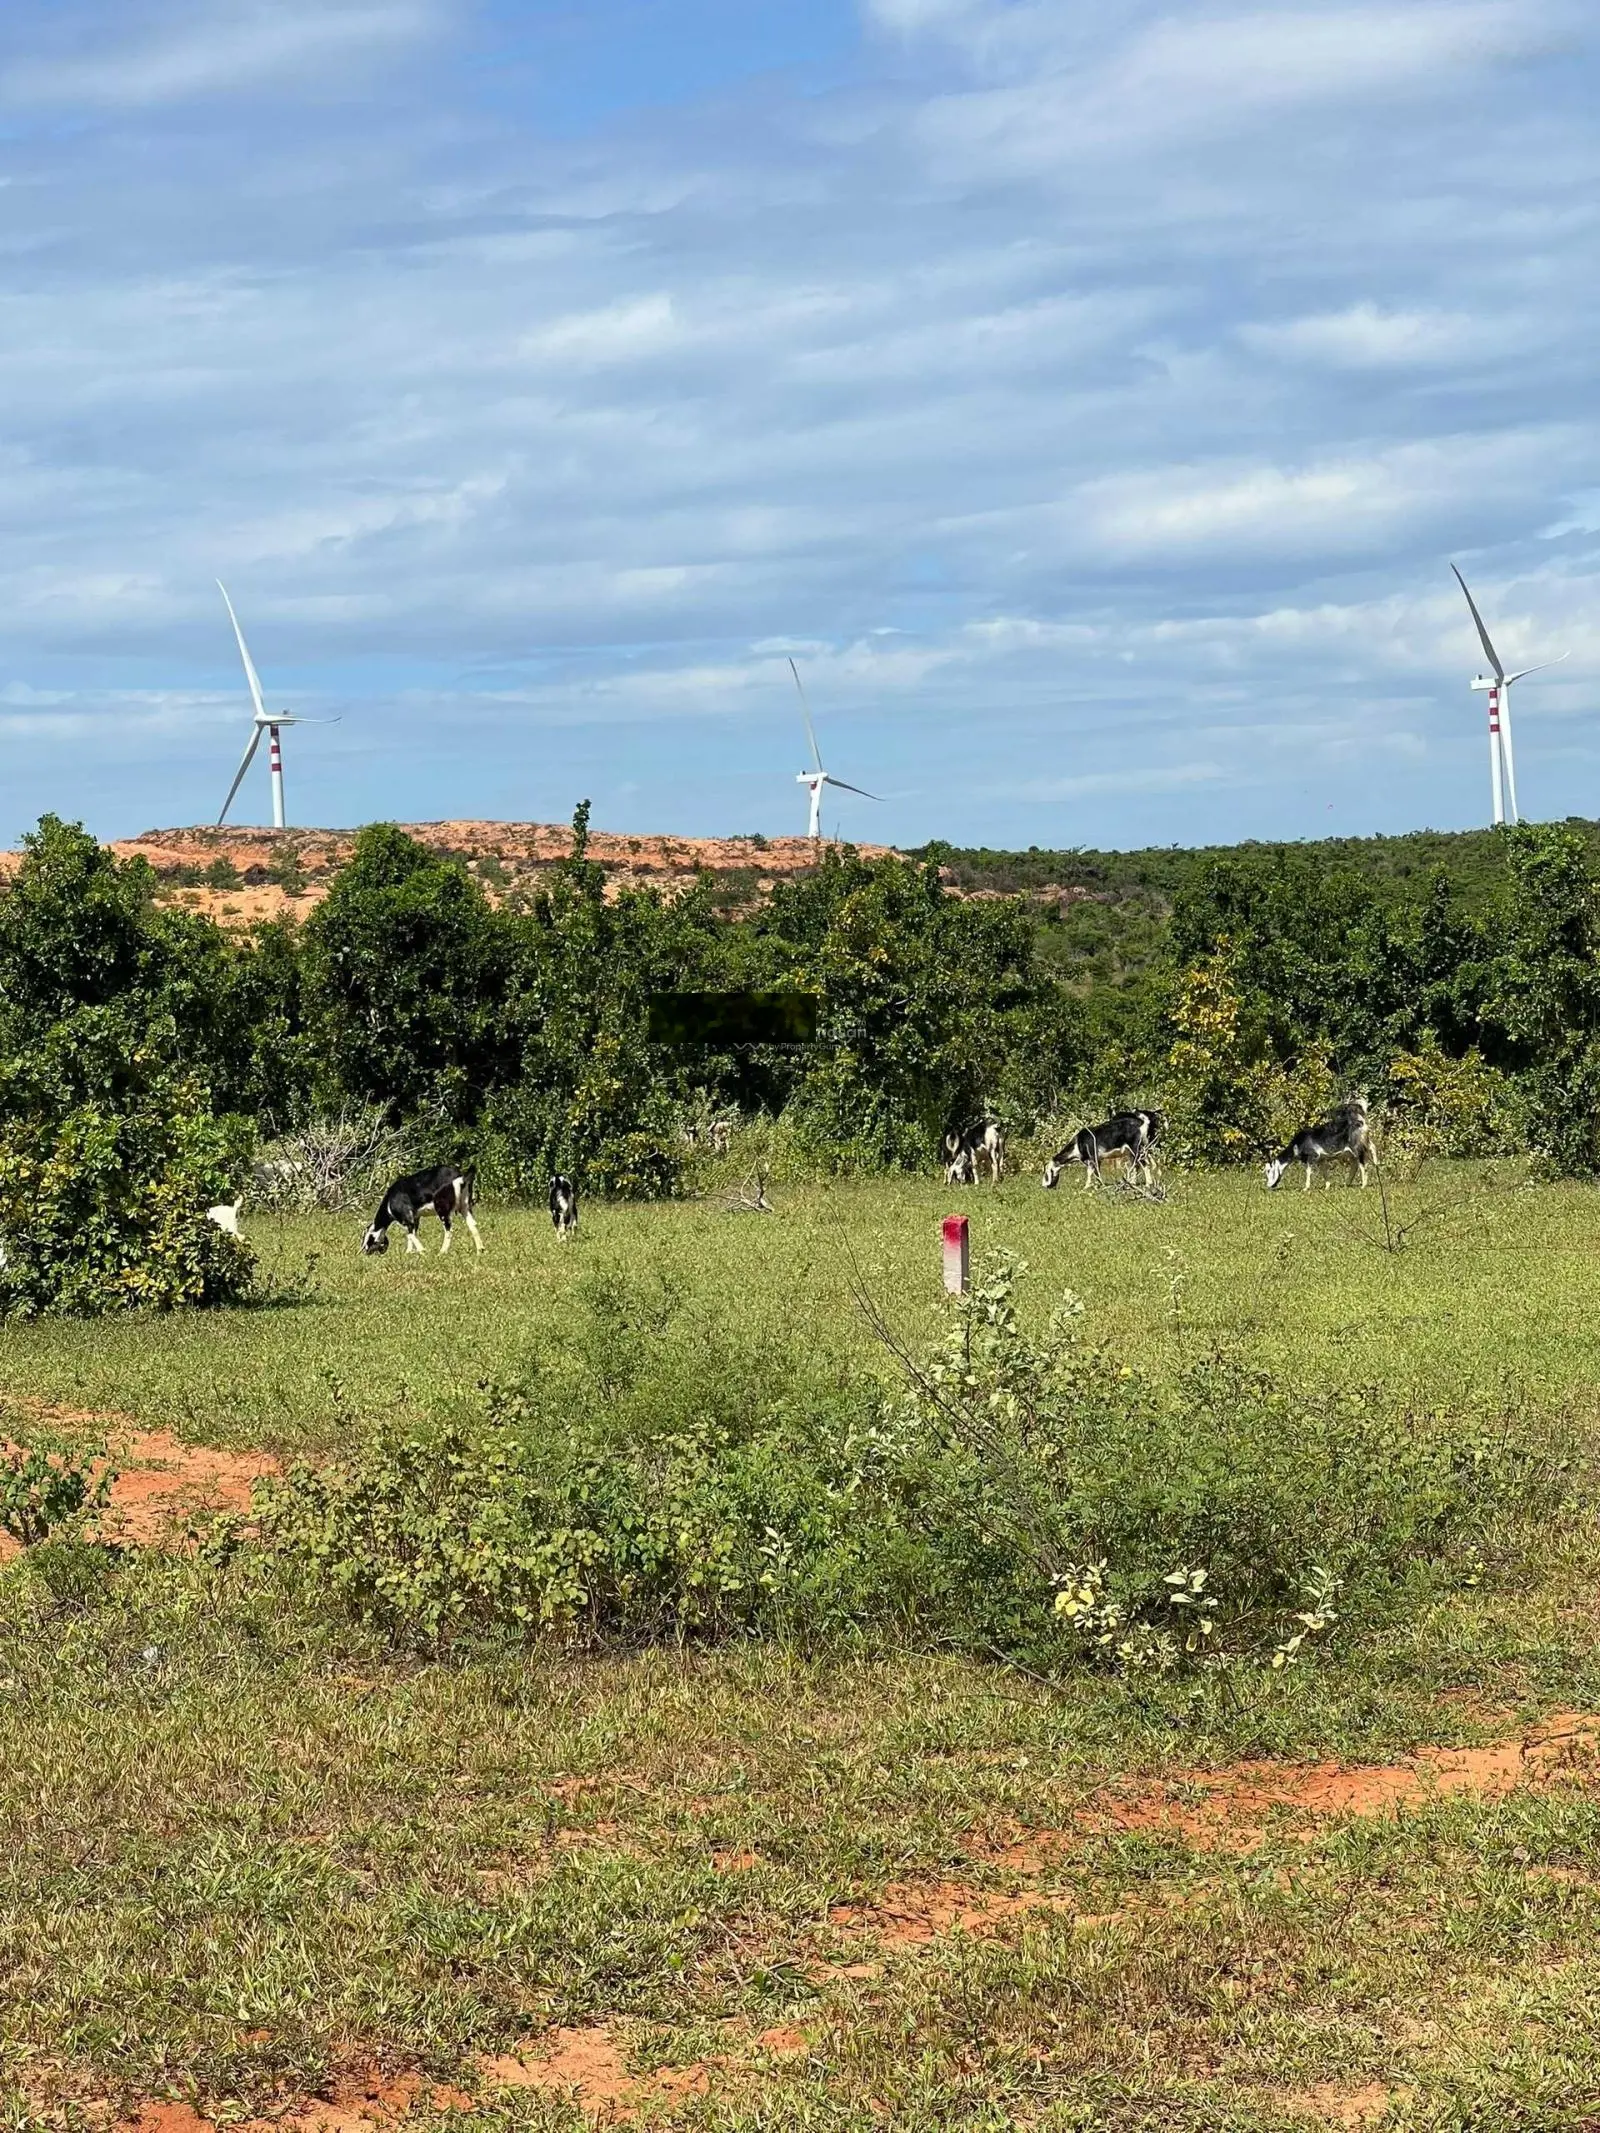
{"type": "Point", "coordinates": [586, 2067]}
{"type": "Point", "coordinates": [1234, 1807]}
{"type": "Point", "coordinates": [362, 2103]}
{"type": "Point", "coordinates": [912, 1912]}
{"type": "Point", "coordinates": [163, 1483]}
{"type": "Point", "coordinates": [1331, 2105]}
{"type": "Point", "coordinates": [1227, 1810]}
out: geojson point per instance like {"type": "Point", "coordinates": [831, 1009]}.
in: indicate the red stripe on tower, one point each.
{"type": "Point", "coordinates": [1494, 710]}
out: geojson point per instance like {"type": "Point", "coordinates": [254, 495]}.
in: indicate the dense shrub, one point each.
{"type": "Point", "coordinates": [404, 974]}
{"type": "Point", "coordinates": [109, 1158]}
{"type": "Point", "coordinates": [1439, 1105]}
{"type": "Point", "coordinates": [1227, 1095]}
{"type": "Point", "coordinates": [48, 1484]}
{"type": "Point", "coordinates": [1030, 1497]}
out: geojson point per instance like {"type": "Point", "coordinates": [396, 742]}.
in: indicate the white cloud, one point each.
{"type": "Point", "coordinates": [1335, 507]}
{"type": "Point", "coordinates": [1132, 780]}
{"type": "Point", "coordinates": [1086, 384]}
{"type": "Point", "coordinates": [1295, 55]}
{"type": "Point", "coordinates": [220, 48]}
{"type": "Point", "coordinates": [1365, 337]}
{"type": "Point", "coordinates": [1056, 89]}
{"type": "Point", "coordinates": [622, 332]}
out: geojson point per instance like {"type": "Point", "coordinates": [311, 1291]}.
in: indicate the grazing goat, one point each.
{"type": "Point", "coordinates": [1344, 1132]}
{"type": "Point", "coordinates": [1128, 1136]}
{"type": "Point", "coordinates": [447, 1191]}
{"type": "Point", "coordinates": [226, 1216]}
{"type": "Point", "coordinates": [564, 1206]}
{"type": "Point", "coordinates": [981, 1142]}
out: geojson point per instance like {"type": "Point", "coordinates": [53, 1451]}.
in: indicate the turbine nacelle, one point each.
{"type": "Point", "coordinates": [814, 780]}
{"type": "Point", "coordinates": [262, 721]}
{"type": "Point", "coordinates": [1502, 760]}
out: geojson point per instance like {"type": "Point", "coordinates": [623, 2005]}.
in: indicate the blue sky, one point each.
{"type": "Point", "coordinates": [1090, 397]}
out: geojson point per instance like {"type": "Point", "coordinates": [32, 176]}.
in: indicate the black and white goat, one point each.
{"type": "Point", "coordinates": [982, 1142]}
{"type": "Point", "coordinates": [1344, 1132]}
{"type": "Point", "coordinates": [1127, 1136]}
{"type": "Point", "coordinates": [447, 1191]}
{"type": "Point", "coordinates": [564, 1206]}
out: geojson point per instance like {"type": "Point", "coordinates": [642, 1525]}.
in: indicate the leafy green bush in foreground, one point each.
{"type": "Point", "coordinates": [1027, 1496]}
{"type": "Point", "coordinates": [109, 1158]}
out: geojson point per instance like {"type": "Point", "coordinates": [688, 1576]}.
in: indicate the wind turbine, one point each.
{"type": "Point", "coordinates": [1498, 683]}
{"type": "Point", "coordinates": [264, 722]}
{"type": "Point", "coordinates": [814, 780]}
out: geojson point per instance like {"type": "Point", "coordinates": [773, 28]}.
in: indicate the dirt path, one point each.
{"type": "Point", "coordinates": [1230, 1811]}
{"type": "Point", "coordinates": [161, 1483]}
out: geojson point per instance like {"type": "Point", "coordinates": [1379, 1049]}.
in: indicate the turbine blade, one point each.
{"type": "Point", "coordinates": [250, 674]}
{"type": "Point", "coordinates": [1543, 666]}
{"type": "Point", "coordinates": [238, 776]}
{"type": "Point", "coordinates": [805, 713]}
{"type": "Point", "coordinates": [843, 787]}
{"type": "Point", "coordinates": [293, 718]}
{"type": "Point", "coordinates": [1490, 653]}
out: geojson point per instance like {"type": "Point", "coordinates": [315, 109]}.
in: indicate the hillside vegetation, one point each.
{"type": "Point", "coordinates": [1105, 913]}
{"type": "Point", "coordinates": [152, 1060]}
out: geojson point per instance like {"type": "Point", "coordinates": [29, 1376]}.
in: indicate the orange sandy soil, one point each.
{"type": "Point", "coordinates": [162, 1483]}
{"type": "Point", "coordinates": [1231, 1810]}
{"type": "Point", "coordinates": [584, 2067]}
{"type": "Point", "coordinates": [506, 857]}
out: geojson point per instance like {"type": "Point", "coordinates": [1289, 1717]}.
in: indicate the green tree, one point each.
{"type": "Point", "coordinates": [1544, 989]}
{"type": "Point", "coordinates": [404, 976]}
{"type": "Point", "coordinates": [592, 1096]}
{"type": "Point", "coordinates": [75, 928]}
{"type": "Point", "coordinates": [932, 1009]}
{"type": "Point", "coordinates": [1310, 949]}
{"type": "Point", "coordinates": [80, 929]}
{"type": "Point", "coordinates": [235, 1001]}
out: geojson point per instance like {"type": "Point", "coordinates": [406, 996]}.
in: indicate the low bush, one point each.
{"type": "Point", "coordinates": [332, 1165]}
{"type": "Point", "coordinates": [1217, 1519]}
{"type": "Point", "coordinates": [48, 1485]}
{"type": "Point", "coordinates": [655, 1476]}
{"type": "Point", "coordinates": [1440, 1105]}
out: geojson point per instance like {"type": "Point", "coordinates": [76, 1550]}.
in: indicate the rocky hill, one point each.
{"type": "Point", "coordinates": [241, 876]}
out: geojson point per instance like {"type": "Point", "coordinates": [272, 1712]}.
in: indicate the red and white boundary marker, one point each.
{"type": "Point", "coordinates": [955, 1255]}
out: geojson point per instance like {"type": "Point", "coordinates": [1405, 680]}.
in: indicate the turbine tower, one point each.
{"type": "Point", "coordinates": [1498, 684]}
{"type": "Point", "coordinates": [814, 780]}
{"type": "Point", "coordinates": [264, 722]}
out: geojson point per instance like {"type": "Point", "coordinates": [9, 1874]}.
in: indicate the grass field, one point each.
{"type": "Point", "coordinates": [1489, 1299]}
{"type": "Point", "coordinates": [255, 1857]}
